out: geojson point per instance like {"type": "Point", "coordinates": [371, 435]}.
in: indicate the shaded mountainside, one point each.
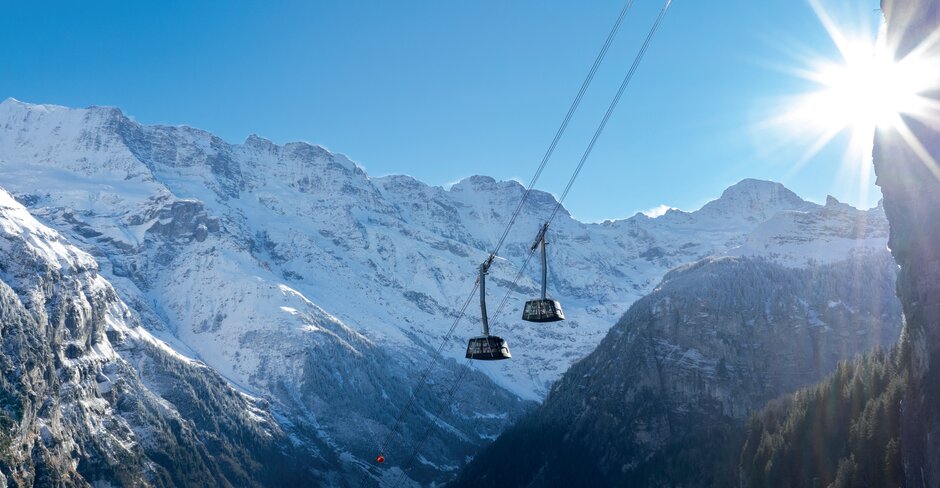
{"type": "Point", "coordinates": [663, 400]}
{"type": "Point", "coordinates": [88, 397]}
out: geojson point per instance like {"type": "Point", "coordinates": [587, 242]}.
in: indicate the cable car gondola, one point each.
{"type": "Point", "coordinates": [486, 347]}
{"type": "Point", "coordinates": [544, 309]}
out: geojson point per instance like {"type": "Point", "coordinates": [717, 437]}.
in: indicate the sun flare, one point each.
{"type": "Point", "coordinates": [864, 90]}
{"type": "Point", "coordinates": [865, 87]}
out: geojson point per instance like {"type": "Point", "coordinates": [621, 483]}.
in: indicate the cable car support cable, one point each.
{"type": "Point", "coordinates": [587, 152]}
{"type": "Point", "coordinates": [545, 158]}
{"type": "Point", "coordinates": [564, 124]}
{"type": "Point", "coordinates": [597, 133]}
{"type": "Point", "coordinates": [612, 106]}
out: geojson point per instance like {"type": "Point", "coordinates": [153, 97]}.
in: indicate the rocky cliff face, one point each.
{"type": "Point", "coordinates": [663, 399]}
{"type": "Point", "coordinates": [909, 177]}
{"type": "Point", "coordinates": [89, 398]}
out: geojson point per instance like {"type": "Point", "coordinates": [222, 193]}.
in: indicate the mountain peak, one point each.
{"type": "Point", "coordinates": [483, 182]}
{"type": "Point", "coordinates": [755, 187]}
{"type": "Point", "coordinates": [256, 141]}
{"type": "Point", "coordinates": [755, 198]}
{"type": "Point", "coordinates": [476, 181]}
{"type": "Point", "coordinates": [105, 109]}
{"type": "Point", "coordinates": [834, 205]}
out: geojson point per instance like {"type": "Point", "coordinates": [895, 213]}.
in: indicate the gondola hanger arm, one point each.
{"type": "Point", "coordinates": [540, 236]}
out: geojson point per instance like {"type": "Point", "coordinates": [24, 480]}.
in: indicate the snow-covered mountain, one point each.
{"type": "Point", "coordinates": [301, 279]}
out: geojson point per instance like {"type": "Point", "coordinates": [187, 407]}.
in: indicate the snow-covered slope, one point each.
{"type": "Point", "coordinates": [277, 264]}
{"type": "Point", "coordinates": [830, 234]}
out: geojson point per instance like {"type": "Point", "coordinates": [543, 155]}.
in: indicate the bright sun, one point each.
{"type": "Point", "coordinates": [864, 89]}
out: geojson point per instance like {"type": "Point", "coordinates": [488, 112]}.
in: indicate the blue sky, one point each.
{"type": "Point", "coordinates": [445, 89]}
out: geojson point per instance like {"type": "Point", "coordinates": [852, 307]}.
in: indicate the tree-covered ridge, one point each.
{"type": "Point", "coordinates": [843, 432]}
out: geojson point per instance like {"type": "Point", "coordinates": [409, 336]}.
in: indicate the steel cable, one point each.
{"type": "Point", "coordinates": [597, 133]}
{"type": "Point", "coordinates": [546, 157]}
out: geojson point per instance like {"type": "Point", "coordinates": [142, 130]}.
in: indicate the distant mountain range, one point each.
{"type": "Point", "coordinates": [320, 293]}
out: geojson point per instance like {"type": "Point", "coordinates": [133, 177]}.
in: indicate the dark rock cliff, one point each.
{"type": "Point", "coordinates": [909, 177]}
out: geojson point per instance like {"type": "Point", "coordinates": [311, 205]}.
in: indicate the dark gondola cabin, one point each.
{"type": "Point", "coordinates": [488, 348]}
{"type": "Point", "coordinates": [547, 310]}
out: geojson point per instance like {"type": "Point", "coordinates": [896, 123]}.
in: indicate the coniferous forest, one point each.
{"type": "Point", "coordinates": [843, 432]}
